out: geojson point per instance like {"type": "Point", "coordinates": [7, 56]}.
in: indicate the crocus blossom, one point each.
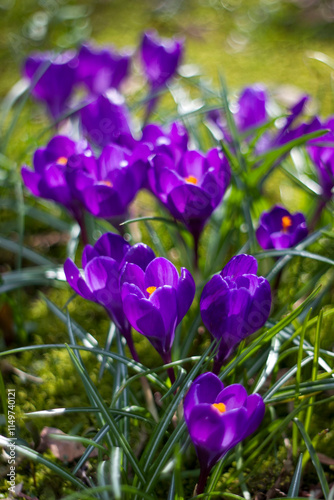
{"type": "Point", "coordinates": [100, 69]}
{"type": "Point", "coordinates": [107, 191]}
{"type": "Point", "coordinates": [155, 300]}
{"type": "Point", "coordinates": [100, 280]}
{"type": "Point", "coordinates": [160, 58]}
{"type": "Point", "coordinates": [251, 109]}
{"type": "Point", "coordinates": [234, 304]}
{"type": "Point", "coordinates": [280, 229]}
{"type": "Point", "coordinates": [106, 120]}
{"type": "Point", "coordinates": [53, 78]}
{"type": "Point", "coordinates": [218, 418]}
{"type": "Point", "coordinates": [192, 188]}
{"type": "Point", "coordinates": [321, 151]}
{"type": "Point", "coordinates": [53, 166]}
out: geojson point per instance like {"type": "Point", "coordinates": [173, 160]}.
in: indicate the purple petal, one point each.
{"type": "Point", "coordinates": [185, 293]}
{"type": "Point", "coordinates": [76, 281]}
{"type": "Point", "coordinates": [134, 275]}
{"type": "Point", "coordinates": [143, 316]}
{"type": "Point", "coordinates": [112, 245]}
{"type": "Point", "coordinates": [241, 264]}
{"type": "Point", "coordinates": [233, 396]}
{"type": "Point", "coordinates": [160, 272]}
{"type": "Point", "coordinates": [31, 180]}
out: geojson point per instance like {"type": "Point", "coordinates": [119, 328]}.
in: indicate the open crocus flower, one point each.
{"type": "Point", "coordinates": [101, 69]}
{"type": "Point", "coordinates": [53, 166]}
{"type": "Point", "coordinates": [160, 58]}
{"type": "Point", "coordinates": [155, 300]}
{"type": "Point", "coordinates": [279, 229]}
{"type": "Point", "coordinates": [106, 120]}
{"type": "Point", "coordinates": [58, 77]}
{"type": "Point", "coordinates": [234, 304]}
{"type": "Point", "coordinates": [100, 281]}
{"type": "Point", "coordinates": [218, 418]}
{"type": "Point", "coordinates": [192, 188]}
{"type": "Point", "coordinates": [322, 153]}
{"type": "Point", "coordinates": [119, 175]}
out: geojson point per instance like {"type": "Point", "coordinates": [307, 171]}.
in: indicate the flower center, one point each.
{"type": "Point", "coordinates": [191, 179]}
{"type": "Point", "coordinates": [286, 222]}
{"type": "Point", "coordinates": [151, 289]}
{"type": "Point", "coordinates": [62, 160]}
{"type": "Point", "coordinates": [220, 407]}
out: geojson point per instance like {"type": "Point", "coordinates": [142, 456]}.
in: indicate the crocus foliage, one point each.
{"type": "Point", "coordinates": [234, 304]}
{"type": "Point", "coordinates": [280, 229]}
{"type": "Point", "coordinates": [218, 418]}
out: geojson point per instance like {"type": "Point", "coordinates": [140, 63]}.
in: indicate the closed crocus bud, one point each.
{"type": "Point", "coordinates": [53, 168]}
{"type": "Point", "coordinates": [155, 300]}
{"type": "Point", "coordinates": [234, 304]}
{"type": "Point", "coordinates": [160, 58]}
{"type": "Point", "coordinates": [279, 229]}
{"type": "Point", "coordinates": [218, 418]}
{"type": "Point", "coordinates": [56, 81]}
{"type": "Point", "coordinates": [100, 69]}
{"type": "Point", "coordinates": [100, 282]}
{"type": "Point", "coordinates": [251, 108]}
{"type": "Point", "coordinates": [106, 120]}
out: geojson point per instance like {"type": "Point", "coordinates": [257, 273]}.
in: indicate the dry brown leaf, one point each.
{"type": "Point", "coordinates": [66, 451]}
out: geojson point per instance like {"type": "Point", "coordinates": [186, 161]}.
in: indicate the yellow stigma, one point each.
{"type": "Point", "coordinates": [286, 222]}
{"type": "Point", "coordinates": [191, 179]}
{"type": "Point", "coordinates": [220, 407]}
{"type": "Point", "coordinates": [151, 289]}
{"type": "Point", "coordinates": [62, 160]}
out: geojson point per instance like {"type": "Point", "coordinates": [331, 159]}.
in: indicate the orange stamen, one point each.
{"type": "Point", "coordinates": [151, 289]}
{"type": "Point", "coordinates": [191, 179]}
{"type": "Point", "coordinates": [286, 222]}
{"type": "Point", "coordinates": [220, 407]}
{"type": "Point", "coordinates": [106, 183]}
{"type": "Point", "coordinates": [62, 160]}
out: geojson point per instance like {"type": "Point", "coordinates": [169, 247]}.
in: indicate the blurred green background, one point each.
{"type": "Point", "coordinates": [280, 43]}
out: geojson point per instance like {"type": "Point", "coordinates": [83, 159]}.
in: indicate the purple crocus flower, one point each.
{"type": "Point", "coordinates": [107, 191]}
{"type": "Point", "coordinates": [192, 188]}
{"type": "Point", "coordinates": [218, 418]}
{"type": "Point", "coordinates": [160, 58]}
{"type": "Point", "coordinates": [280, 229]}
{"type": "Point", "coordinates": [55, 85]}
{"type": "Point", "coordinates": [54, 166]}
{"type": "Point", "coordinates": [251, 110]}
{"type": "Point", "coordinates": [234, 304]}
{"type": "Point", "coordinates": [106, 120]}
{"type": "Point", "coordinates": [100, 281]}
{"type": "Point", "coordinates": [321, 151]}
{"type": "Point", "coordinates": [156, 299]}
{"type": "Point", "coordinates": [101, 69]}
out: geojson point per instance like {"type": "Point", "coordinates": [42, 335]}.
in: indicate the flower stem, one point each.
{"type": "Point", "coordinates": [317, 214]}
{"type": "Point", "coordinates": [203, 477]}
{"type": "Point", "coordinates": [166, 358]}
